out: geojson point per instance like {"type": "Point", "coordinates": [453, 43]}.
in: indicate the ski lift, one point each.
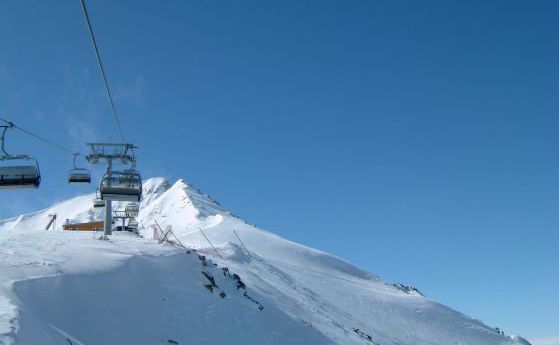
{"type": "Point", "coordinates": [78, 175]}
{"type": "Point", "coordinates": [24, 173]}
{"type": "Point", "coordinates": [132, 226]}
{"type": "Point", "coordinates": [121, 186]}
{"type": "Point", "coordinates": [98, 202]}
{"type": "Point", "coordinates": [131, 209]}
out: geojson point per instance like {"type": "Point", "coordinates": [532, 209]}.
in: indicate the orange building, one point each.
{"type": "Point", "coordinates": [91, 226]}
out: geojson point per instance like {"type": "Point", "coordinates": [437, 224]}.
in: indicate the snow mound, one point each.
{"type": "Point", "coordinates": [519, 340]}
{"type": "Point", "coordinates": [186, 313]}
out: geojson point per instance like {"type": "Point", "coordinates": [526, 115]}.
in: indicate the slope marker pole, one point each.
{"type": "Point", "coordinates": [207, 239]}
{"type": "Point", "coordinates": [242, 243]}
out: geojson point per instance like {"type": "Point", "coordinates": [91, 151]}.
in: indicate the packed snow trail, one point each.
{"type": "Point", "coordinates": [176, 308]}
{"type": "Point", "coordinates": [58, 287]}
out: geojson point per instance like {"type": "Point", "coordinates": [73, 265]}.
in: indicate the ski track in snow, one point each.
{"type": "Point", "coordinates": [61, 287]}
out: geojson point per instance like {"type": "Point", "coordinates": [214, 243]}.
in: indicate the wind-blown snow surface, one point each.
{"type": "Point", "coordinates": [59, 287]}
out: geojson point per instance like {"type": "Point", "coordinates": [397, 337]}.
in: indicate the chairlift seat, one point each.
{"type": "Point", "coordinates": [97, 203]}
{"type": "Point", "coordinates": [77, 176]}
{"type": "Point", "coordinates": [132, 207]}
{"type": "Point", "coordinates": [121, 186]}
{"type": "Point", "coordinates": [23, 176]}
{"type": "Point", "coordinates": [132, 210]}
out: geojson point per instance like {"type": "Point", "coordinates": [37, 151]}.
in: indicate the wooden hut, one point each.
{"type": "Point", "coordinates": [91, 226]}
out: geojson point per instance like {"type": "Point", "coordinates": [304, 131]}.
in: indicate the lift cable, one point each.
{"type": "Point", "coordinates": [101, 69]}
{"type": "Point", "coordinates": [50, 142]}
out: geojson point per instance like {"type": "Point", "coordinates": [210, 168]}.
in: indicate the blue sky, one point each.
{"type": "Point", "coordinates": [416, 139]}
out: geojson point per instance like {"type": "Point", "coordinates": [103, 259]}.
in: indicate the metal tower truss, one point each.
{"type": "Point", "coordinates": [111, 151]}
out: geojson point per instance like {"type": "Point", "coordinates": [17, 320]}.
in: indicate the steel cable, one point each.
{"type": "Point", "coordinates": [36, 136]}
{"type": "Point", "coordinates": [101, 69]}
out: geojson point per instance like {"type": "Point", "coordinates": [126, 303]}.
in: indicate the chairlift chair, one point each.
{"type": "Point", "coordinates": [20, 176]}
{"type": "Point", "coordinates": [131, 209]}
{"type": "Point", "coordinates": [98, 202]}
{"type": "Point", "coordinates": [121, 186]}
{"type": "Point", "coordinates": [78, 175]}
{"type": "Point", "coordinates": [132, 225]}
{"type": "Point", "coordinates": [24, 173]}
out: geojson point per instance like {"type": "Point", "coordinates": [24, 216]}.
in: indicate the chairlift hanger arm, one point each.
{"type": "Point", "coordinates": [2, 137]}
{"type": "Point", "coordinates": [3, 154]}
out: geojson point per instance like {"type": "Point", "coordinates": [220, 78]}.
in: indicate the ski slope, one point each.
{"type": "Point", "coordinates": [68, 287]}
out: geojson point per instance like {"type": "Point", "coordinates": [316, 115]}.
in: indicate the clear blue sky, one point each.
{"type": "Point", "coordinates": [416, 139]}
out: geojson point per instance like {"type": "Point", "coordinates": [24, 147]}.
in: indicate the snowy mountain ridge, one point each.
{"type": "Point", "coordinates": [55, 285]}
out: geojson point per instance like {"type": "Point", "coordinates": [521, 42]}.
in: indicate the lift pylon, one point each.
{"type": "Point", "coordinates": [116, 185]}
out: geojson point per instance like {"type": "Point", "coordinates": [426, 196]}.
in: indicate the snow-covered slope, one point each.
{"type": "Point", "coordinates": [256, 288]}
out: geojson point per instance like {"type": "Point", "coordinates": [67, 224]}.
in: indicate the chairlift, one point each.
{"type": "Point", "coordinates": [17, 171]}
{"type": "Point", "coordinates": [132, 225]}
{"type": "Point", "coordinates": [98, 202]}
{"type": "Point", "coordinates": [78, 175]}
{"type": "Point", "coordinates": [121, 186]}
{"type": "Point", "coordinates": [131, 209]}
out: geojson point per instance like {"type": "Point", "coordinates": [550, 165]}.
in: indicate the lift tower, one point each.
{"type": "Point", "coordinates": [110, 152]}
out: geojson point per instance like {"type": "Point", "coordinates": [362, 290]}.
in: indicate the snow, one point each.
{"type": "Point", "coordinates": [57, 285]}
{"type": "Point", "coordinates": [185, 312]}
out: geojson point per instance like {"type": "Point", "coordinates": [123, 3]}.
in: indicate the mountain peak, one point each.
{"type": "Point", "coordinates": [306, 288]}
